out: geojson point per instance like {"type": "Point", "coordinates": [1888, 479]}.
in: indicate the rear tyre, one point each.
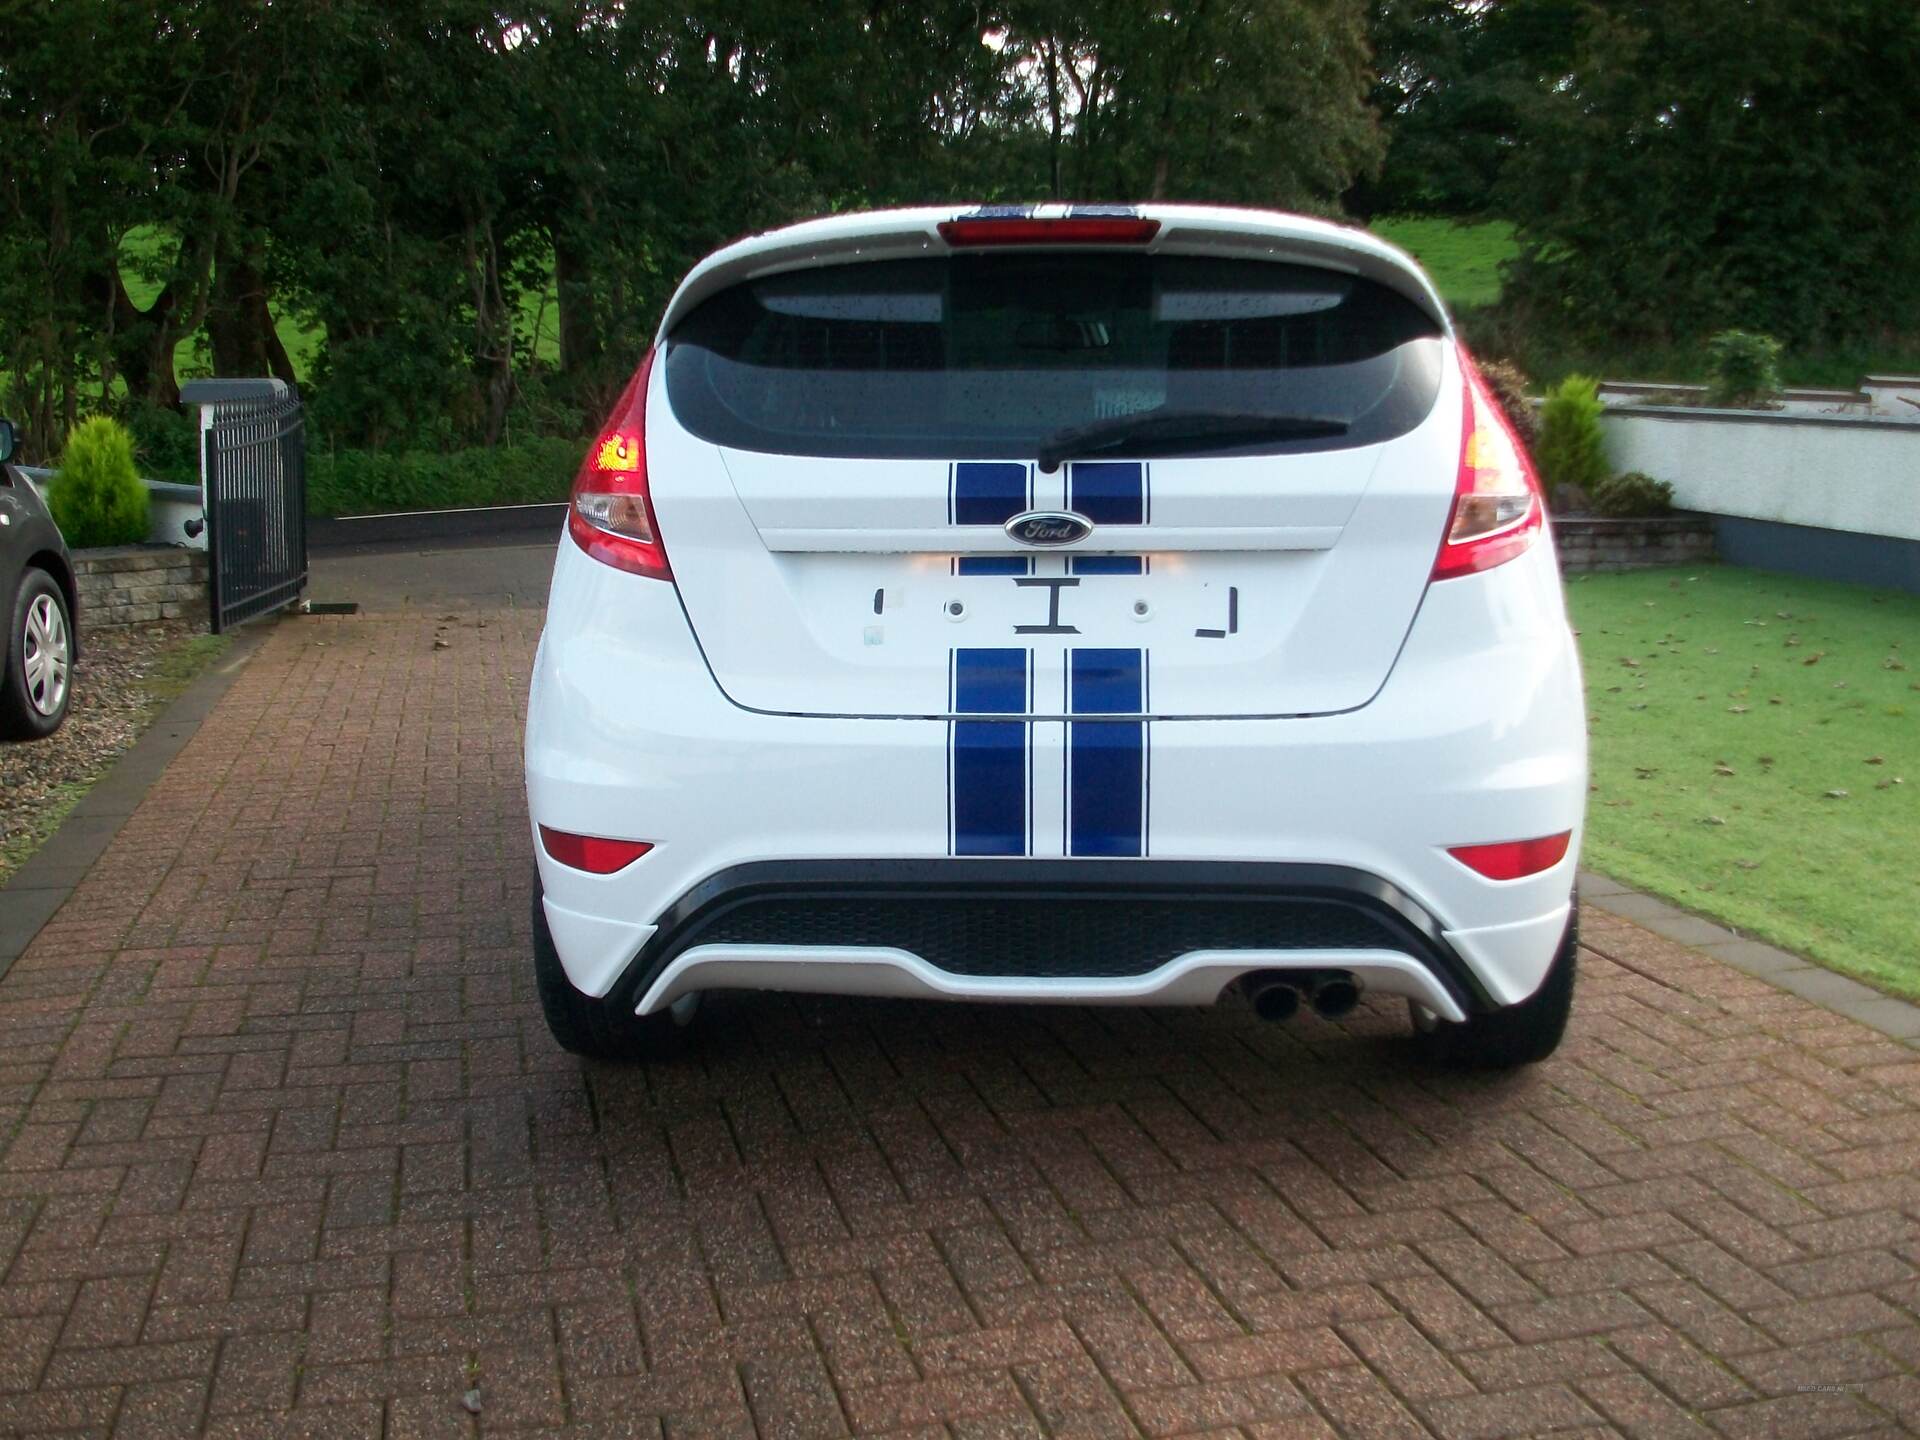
{"type": "Point", "coordinates": [1516, 1035]}
{"type": "Point", "coordinates": [590, 1027]}
{"type": "Point", "coordinates": [38, 682]}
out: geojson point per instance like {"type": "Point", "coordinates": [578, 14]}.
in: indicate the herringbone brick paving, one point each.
{"type": "Point", "coordinates": [287, 1151]}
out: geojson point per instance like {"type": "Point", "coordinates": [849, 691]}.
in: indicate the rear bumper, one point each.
{"type": "Point", "coordinates": [1077, 931]}
{"type": "Point", "coordinates": [1478, 735]}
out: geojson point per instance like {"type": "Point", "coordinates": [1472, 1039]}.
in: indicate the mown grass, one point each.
{"type": "Point", "coordinates": [1756, 756]}
{"type": "Point", "coordinates": [1463, 259]}
{"type": "Point", "coordinates": [181, 665]}
{"type": "Point", "coordinates": [47, 816]}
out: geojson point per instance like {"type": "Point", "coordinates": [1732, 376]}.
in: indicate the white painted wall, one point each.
{"type": "Point", "coordinates": [1840, 474]}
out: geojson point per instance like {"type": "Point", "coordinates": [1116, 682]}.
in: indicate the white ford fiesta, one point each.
{"type": "Point", "coordinates": [1096, 605]}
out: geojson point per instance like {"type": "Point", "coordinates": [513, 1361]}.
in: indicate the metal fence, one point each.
{"type": "Point", "coordinates": [254, 461]}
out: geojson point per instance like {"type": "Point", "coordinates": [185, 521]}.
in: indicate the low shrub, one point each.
{"type": "Point", "coordinates": [1743, 369]}
{"type": "Point", "coordinates": [356, 482]}
{"type": "Point", "coordinates": [1631, 496]}
{"type": "Point", "coordinates": [1570, 449]}
{"type": "Point", "coordinates": [96, 497]}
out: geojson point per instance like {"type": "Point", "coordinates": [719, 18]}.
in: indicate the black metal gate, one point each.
{"type": "Point", "coordinates": [254, 461]}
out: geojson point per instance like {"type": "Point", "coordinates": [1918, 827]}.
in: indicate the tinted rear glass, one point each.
{"type": "Point", "coordinates": [987, 355]}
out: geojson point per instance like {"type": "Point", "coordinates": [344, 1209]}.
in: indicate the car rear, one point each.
{"type": "Point", "coordinates": [1056, 605]}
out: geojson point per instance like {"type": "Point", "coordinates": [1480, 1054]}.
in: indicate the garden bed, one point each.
{"type": "Point", "coordinates": [123, 680]}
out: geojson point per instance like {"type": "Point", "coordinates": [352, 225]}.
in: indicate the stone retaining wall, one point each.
{"type": "Point", "coordinates": [138, 584]}
{"type": "Point", "coordinates": [1588, 543]}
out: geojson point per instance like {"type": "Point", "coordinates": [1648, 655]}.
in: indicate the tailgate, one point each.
{"type": "Point", "coordinates": [844, 466]}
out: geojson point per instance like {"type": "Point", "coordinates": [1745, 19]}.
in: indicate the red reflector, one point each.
{"type": "Point", "coordinates": [1514, 859]}
{"type": "Point", "coordinates": [1106, 230]}
{"type": "Point", "coordinates": [590, 852]}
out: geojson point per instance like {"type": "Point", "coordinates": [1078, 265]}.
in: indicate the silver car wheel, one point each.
{"type": "Point", "coordinates": [48, 656]}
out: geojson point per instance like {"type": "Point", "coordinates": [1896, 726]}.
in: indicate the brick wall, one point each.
{"type": "Point", "coordinates": [1587, 543]}
{"type": "Point", "coordinates": [137, 584]}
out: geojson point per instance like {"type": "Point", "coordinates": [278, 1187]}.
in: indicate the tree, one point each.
{"type": "Point", "coordinates": [1261, 101]}
{"type": "Point", "coordinates": [413, 180]}
{"type": "Point", "coordinates": [1452, 79]}
{"type": "Point", "coordinates": [1706, 165]}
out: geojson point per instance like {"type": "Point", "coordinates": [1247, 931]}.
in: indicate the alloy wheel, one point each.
{"type": "Point", "coordinates": [48, 655]}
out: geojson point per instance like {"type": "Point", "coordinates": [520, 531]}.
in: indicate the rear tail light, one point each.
{"type": "Point", "coordinates": [590, 852]}
{"type": "Point", "coordinates": [1497, 505]}
{"type": "Point", "coordinates": [611, 517]}
{"type": "Point", "coordinates": [1085, 230]}
{"type": "Point", "coordinates": [1514, 859]}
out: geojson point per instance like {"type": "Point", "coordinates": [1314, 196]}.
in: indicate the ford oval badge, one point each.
{"type": "Point", "coordinates": [1049, 527]}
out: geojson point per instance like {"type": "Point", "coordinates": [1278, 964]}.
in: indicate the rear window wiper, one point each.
{"type": "Point", "coordinates": [1159, 432]}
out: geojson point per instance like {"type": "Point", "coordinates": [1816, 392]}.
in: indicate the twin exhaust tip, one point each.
{"type": "Point", "coordinates": [1276, 994]}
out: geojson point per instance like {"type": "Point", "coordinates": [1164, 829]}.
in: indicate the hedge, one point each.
{"type": "Point", "coordinates": [357, 482]}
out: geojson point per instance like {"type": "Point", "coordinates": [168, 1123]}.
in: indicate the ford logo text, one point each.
{"type": "Point", "coordinates": [1049, 527]}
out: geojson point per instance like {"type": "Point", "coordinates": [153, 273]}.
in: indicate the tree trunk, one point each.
{"type": "Point", "coordinates": [240, 322]}
{"type": "Point", "coordinates": [1051, 49]}
{"type": "Point", "coordinates": [573, 288]}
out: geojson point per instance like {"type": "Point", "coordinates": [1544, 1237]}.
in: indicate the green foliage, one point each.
{"type": "Point", "coordinates": [1549, 354]}
{"type": "Point", "coordinates": [1570, 449]}
{"type": "Point", "coordinates": [1453, 81]}
{"type": "Point", "coordinates": [410, 204]}
{"type": "Point", "coordinates": [1744, 368]}
{"type": "Point", "coordinates": [1630, 496]}
{"type": "Point", "coordinates": [96, 497]}
{"type": "Point", "coordinates": [1698, 164]}
{"type": "Point", "coordinates": [166, 443]}
{"type": "Point", "coordinates": [354, 482]}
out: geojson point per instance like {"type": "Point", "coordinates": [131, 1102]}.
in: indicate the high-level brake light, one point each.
{"type": "Point", "coordinates": [1067, 230]}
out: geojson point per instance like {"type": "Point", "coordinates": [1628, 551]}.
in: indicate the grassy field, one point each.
{"type": "Point", "coordinates": [1464, 260]}
{"type": "Point", "coordinates": [1756, 756]}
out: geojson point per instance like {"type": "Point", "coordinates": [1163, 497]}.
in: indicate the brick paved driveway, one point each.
{"type": "Point", "coordinates": [287, 1150]}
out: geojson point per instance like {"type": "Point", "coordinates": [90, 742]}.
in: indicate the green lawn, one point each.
{"type": "Point", "coordinates": [1464, 260]}
{"type": "Point", "coordinates": [1756, 756]}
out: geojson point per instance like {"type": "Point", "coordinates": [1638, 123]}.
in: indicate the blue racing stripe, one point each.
{"type": "Point", "coordinates": [992, 565]}
{"type": "Point", "coordinates": [989, 770]}
{"type": "Point", "coordinates": [988, 492]}
{"type": "Point", "coordinates": [1106, 759]}
{"type": "Point", "coordinates": [1108, 492]}
{"type": "Point", "coordinates": [1106, 564]}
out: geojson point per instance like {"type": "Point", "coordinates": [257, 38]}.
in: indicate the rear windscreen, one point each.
{"type": "Point", "coordinates": [988, 355]}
